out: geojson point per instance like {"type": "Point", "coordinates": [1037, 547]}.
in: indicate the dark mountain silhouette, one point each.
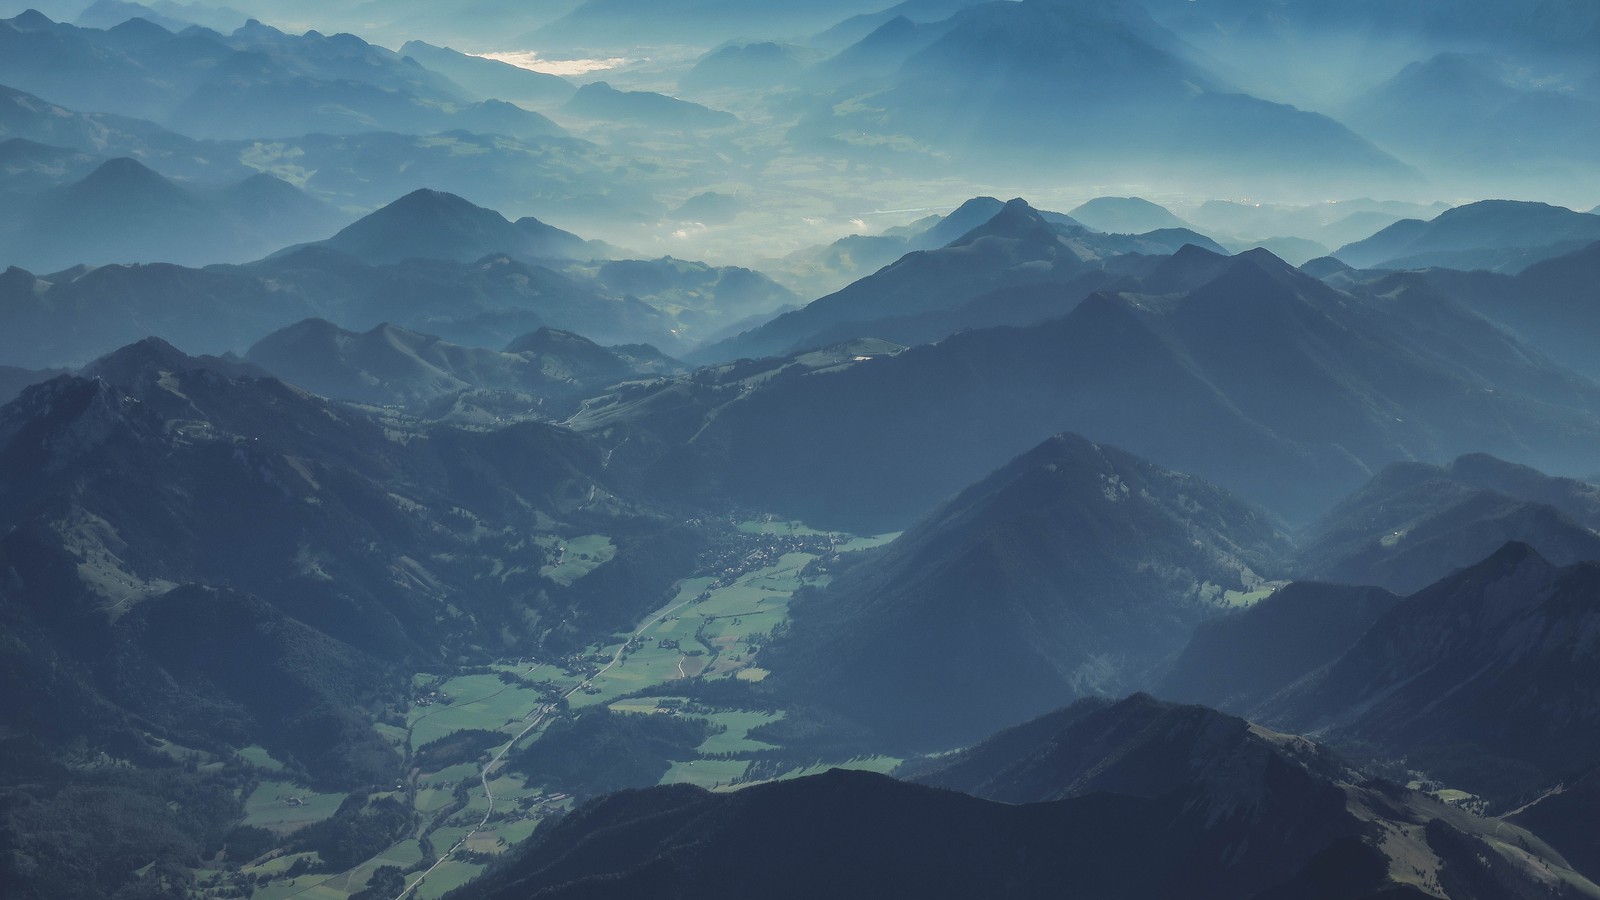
{"type": "Point", "coordinates": [1562, 816]}
{"type": "Point", "coordinates": [1499, 235]}
{"type": "Point", "coordinates": [490, 79]}
{"type": "Point", "coordinates": [394, 366]}
{"type": "Point", "coordinates": [1070, 570]}
{"type": "Point", "coordinates": [1261, 379]}
{"type": "Point", "coordinates": [1416, 523]}
{"type": "Point", "coordinates": [123, 212]}
{"type": "Point", "coordinates": [1484, 678]}
{"type": "Point", "coordinates": [1298, 822]}
{"type": "Point", "coordinates": [1135, 87]}
{"type": "Point", "coordinates": [427, 224]}
{"type": "Point", "coordinates": [643, 109]}
{"type": "Point", "coordinates": [1235, 661]}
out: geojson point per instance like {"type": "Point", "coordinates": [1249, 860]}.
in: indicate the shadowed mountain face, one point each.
{"type": "Point", "coordinates": [1068, 572]}
{"type": "Point", "coordinates": [350, 539]}
{"type": "Point", "coordinates": [1415, 523]}
{"type": "Point", "coordinates": [1235, 661]}
{"type": "Point", "coordinates": [1486, 677]}
{"type": "Point", "coordinates": [1550, 303]}
{"type": "Point", "coordinates": [1146, 800]}
{"type": "Point", "coordinates": [1258, 378]}
{"type": "Point", "coordinates": [1498, 235]}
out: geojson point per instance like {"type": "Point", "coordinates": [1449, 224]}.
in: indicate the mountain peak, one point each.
{"type": "Point", "coordinates": [32, 20]}
{"type": "Point", "coordinates": [1015, 220]}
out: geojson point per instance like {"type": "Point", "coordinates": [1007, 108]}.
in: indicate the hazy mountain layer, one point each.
{"type": "Point", "coordinates": [1244, 372]}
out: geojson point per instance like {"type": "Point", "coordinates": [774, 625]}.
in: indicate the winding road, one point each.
{"type": "Point", "coordinates": [543, 714]}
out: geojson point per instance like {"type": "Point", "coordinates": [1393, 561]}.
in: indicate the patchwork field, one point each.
{"type": "Point", "coordinates": [713, 626]}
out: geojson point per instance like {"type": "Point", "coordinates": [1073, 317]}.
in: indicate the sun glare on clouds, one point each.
{"type": "Point", "coordinates": [527, 59]}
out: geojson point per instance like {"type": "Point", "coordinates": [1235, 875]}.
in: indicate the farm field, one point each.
{"type": "Point", "coordinates": [713, 626]}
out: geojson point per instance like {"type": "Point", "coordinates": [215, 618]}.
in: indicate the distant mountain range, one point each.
{"type": "Point", "coordinates": [430, 262]}
{"type": "Point", "coordinates": [1241, 370]}
{"type": "Point", "coordinates": [1498, 235]}
{"type": "Point", "coordinates": [123, 212]}
{"type": "Point", "coordinates": [1416, 523]}
{"type": "Point", "coordinates": [388, 365]}
{"type": "Point", "coordinates": [1135, 87]}
{"type": "Point", "coordinates": [992, 274]}
{"type": "Point", "coordinates": [255, 82]}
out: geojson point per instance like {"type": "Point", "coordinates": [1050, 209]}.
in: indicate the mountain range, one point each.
{"type": "Point", "coordinates": [1134, 799]}
{"type": "Point", "coordinates": [546, 370]}
{"type": "Point", "coordinates": [123, 212]}
{"type": "Point", "coordinates": [1498, 235]}
{"type": "Point", "coordinates": [1070, 571]}
{"type": "Point", "coordinates": [1356, 381]}
{"type": "Point", "coordinates": [949, 97]}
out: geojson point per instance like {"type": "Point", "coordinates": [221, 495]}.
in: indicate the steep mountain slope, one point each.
{"type": "Point", "coordinates": [1068, 572]}
{"type": "Point", "coordinates": [1499, 235]}
{"type": "Point", "coordinates": [1234, 661]}
{"type": "Point", "coordinates": [1486, 678]}
{"type": "Point", "coordinates": [1189, 803]}
{"type": "Point", "coordinates": [1416, 523]}
{"type": "Point", "coordinates": [1550, 303]}
{"type": "Point", "coordinates": [546, 370]}
{"type": "Point", "coordinates": [1260, 379]}
{"type": "Point", "coordinates": [155, 471]}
